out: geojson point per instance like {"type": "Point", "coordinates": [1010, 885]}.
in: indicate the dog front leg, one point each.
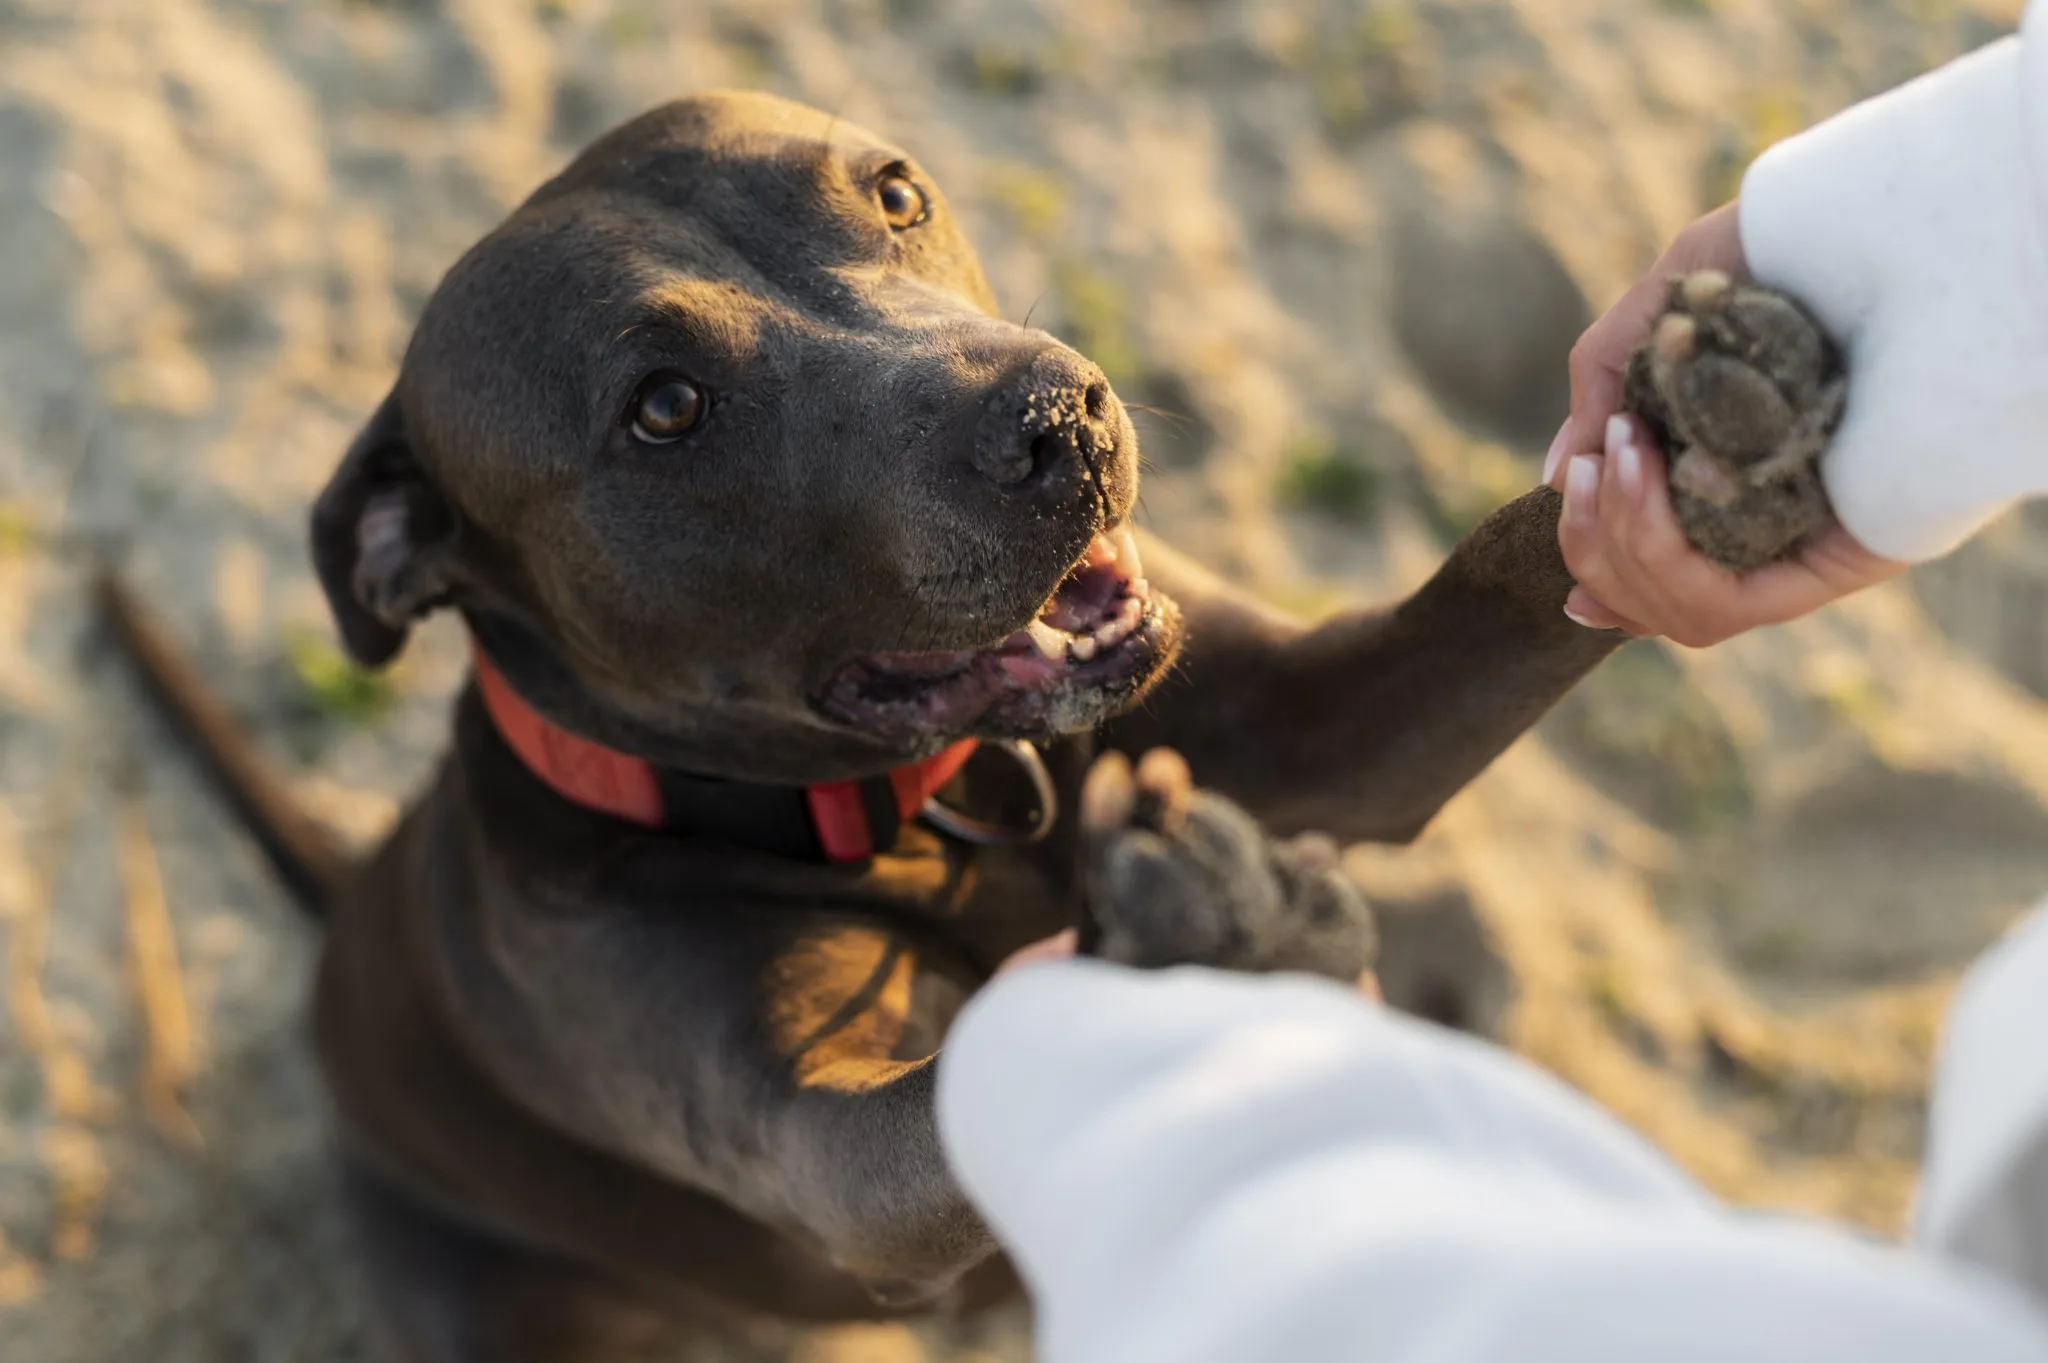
{"type": "Point", "coordinates": [775, 1058]}
{"type": "Point", "coordinates": [860, 1149]}
{"type": "Point", "coordinates": [1364, 726]}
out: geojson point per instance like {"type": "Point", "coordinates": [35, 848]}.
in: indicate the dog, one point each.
{"type": "Point", "coordinates": [818, 668]}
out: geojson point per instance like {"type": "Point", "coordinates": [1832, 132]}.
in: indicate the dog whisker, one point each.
{"type": "Point", "coordinates": [1031, 311]}
{"type": "Point", "coordinates": [1179, 421]}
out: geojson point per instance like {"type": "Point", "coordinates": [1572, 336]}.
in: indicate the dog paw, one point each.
{"type": "Point", "coordinates": [1181, 876]}
{"type": "Point", "coordinates": [1743, 390]}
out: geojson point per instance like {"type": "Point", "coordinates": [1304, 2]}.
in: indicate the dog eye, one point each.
{"type": "Point", "coordinates": [667, 408]}
{"type": "Point", "coordinates": [903, 203]}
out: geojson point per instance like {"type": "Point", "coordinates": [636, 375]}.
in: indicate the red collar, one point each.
{"type": "Point", "coordinates": [842, 821]}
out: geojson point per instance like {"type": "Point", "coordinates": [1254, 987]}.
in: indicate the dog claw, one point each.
{"type": "Point", "coordinates": [1165, 785]}
{"type": "Point", "coordinates": [1677, 338]}
{"type": "Point", "coordinates": [1165, 771]}
{"type": "Point", "coordinates": [1109, 797]}
{"type": "Point", "coordinates": [1706, 290]}
{"type": "Point", "coordinates": [1181, 876]}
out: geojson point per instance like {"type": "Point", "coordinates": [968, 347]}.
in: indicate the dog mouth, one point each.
{"type": "Point", "coordinates": [1098, 641]}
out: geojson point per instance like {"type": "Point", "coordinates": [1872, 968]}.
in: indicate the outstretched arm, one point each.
{"type": "Point", "coordinates": [1915, 227]}
{"type": "Point", "coordinates": [1364, 726]}
{"type": "Point", "coordinates": [1200, 1168]}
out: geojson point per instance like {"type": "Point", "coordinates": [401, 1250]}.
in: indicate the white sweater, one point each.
{"type": "Point", "coordinates": [1916, 227]}
{"type": "Point", "coordinates": [1192, 1167]}
{"type": "Point", "coordinates": [1198, 1168]}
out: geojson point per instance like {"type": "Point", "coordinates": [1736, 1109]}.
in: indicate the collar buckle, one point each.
{"type": "Point", "coordinates": [981, 832]}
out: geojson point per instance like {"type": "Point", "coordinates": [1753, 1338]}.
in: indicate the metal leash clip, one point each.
{"type": "Point", "coordinates": [984, 834]}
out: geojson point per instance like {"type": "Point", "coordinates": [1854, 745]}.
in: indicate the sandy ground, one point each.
{"type": "Point", "coordinates": [1341, 246]}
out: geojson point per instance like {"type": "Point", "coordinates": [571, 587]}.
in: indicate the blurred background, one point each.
{"type": "Point", "coordinates": [1338, 249]}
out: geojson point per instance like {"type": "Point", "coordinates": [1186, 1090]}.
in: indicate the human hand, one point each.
{"type": "Point", "coordinates": [1600, 360]}
{"type": "Point", "coordinates": [1636, 568]}
{"type": "Point", "coordinates": [1636, 571]}
{"type": "Point", "coordinates": [1058, 947]}
{"type": "Point", "coordinates": [1061, 946]}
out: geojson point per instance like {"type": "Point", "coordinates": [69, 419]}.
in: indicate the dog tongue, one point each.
{"type": "Point", "coordinates": [1109, 570]}
{"type": "Point", "coordinates": [1097, 605]}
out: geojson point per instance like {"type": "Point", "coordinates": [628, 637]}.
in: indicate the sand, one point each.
{"type": "Point", "coordinates": [1340, 249]}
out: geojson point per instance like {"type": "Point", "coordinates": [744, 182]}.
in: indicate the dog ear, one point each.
{"type": "Point", "coordinates": [383, 540]}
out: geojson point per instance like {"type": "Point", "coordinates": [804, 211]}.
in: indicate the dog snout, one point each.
{"type": "Point", "coordinates": [1052, 420]}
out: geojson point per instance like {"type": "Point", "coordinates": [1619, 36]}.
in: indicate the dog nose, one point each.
{"type": "Point", "coordinates": [1055, 413]}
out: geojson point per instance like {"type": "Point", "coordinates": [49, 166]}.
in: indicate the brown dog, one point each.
{"type": "Point", "coordinates": [756, 511]}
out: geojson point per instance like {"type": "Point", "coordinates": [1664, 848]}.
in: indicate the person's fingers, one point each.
{"type": "Point", "coordinates": [1621, 488]}
{"type": "Point", "coordinates": [1554, 460]}
{"type": "Point", "coordinates": [1584, 608]}
{"type": "Point", "coordinates": [1831, 568]}
{"type": "Point", "coordinates": [1627, 491]}
{"type": "Point", "coordinates": [1610, 574]}
{"type": "Point", "coordinates": [1600, 358]}
{"type": "Point", "coordinates": [1675, 591]}
{"type": "Point", "coordinates": [1645, 531]}
{"type": "Point", "coordinates": [1597, 365]}
{"type": "Point", "coordinates": [1057, 947]}
{"type": "Point", "coordinates": [1696, 602]}
{"type": "Point", "coordinates": [1599, 362]}
{"type": "Point", "coordinates": [1603, 547]}
{"type": "Point", "coordinates": [1840, 559]}
{"type": "Point", "coordinates": [1625, 456]}
{"type": "Point", "coordinates": [1578, 524]}
{"type": "Point", "coordinates": [1634, 567]}
{"type": "Point", "coordinates": [1582, 476]}
{"type": "Point", "coordinates": [1582, 540]}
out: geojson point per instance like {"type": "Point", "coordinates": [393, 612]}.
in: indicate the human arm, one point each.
{"type": "Point", "coordinates": [1913, 226]}
{"type": "Point", "coordinates": [1201, 1168]}
{"type": "Point", "coordinates": [1984, 1195]}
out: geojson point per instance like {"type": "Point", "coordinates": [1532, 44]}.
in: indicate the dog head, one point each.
{"type": "Point", "coordinates": [721, 448]}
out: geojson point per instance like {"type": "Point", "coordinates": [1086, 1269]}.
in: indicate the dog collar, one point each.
{"type": "Point", "coordinates": [839, 821]}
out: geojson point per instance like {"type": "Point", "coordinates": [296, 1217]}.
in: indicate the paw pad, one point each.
{"type": "Point", "coordinates": [1176, 875]}
{"type": "Point", "coordinates": [1743, 389]}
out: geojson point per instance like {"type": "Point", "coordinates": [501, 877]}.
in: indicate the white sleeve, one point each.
{"type": "Point", "coordinates": [1916, 227]}
{"type": "Point", "coordinates": [1984, 1198]}
{"type": "Point", "coordinates": [1190, 1167]}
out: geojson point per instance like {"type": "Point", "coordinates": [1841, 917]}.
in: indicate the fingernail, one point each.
{"type": "Point", "coordinates": [1582, 488]}
{"type": "Point", "coordinates": [1628, 468]}
{"type": "Point", "coordinates": [1621, 433]}
{"type": "Point", "coordinates": [1591, 614]}
{"type": "Point", "coordinates": [1556, 455]}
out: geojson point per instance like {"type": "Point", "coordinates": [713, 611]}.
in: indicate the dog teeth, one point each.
{"type": "Point", "coordinates": [1111, 632]}
{"type": "Point", "coordinates": [1117, 549]}
{"type": "Point", "coordinates": [1050, 643]}
{"type": "Point", "coordinates": [1102, 553]}
{"type": "Point", "coordinates": [1119, 622]}
{"type": "Point", "coordinates": [1127, 561]}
